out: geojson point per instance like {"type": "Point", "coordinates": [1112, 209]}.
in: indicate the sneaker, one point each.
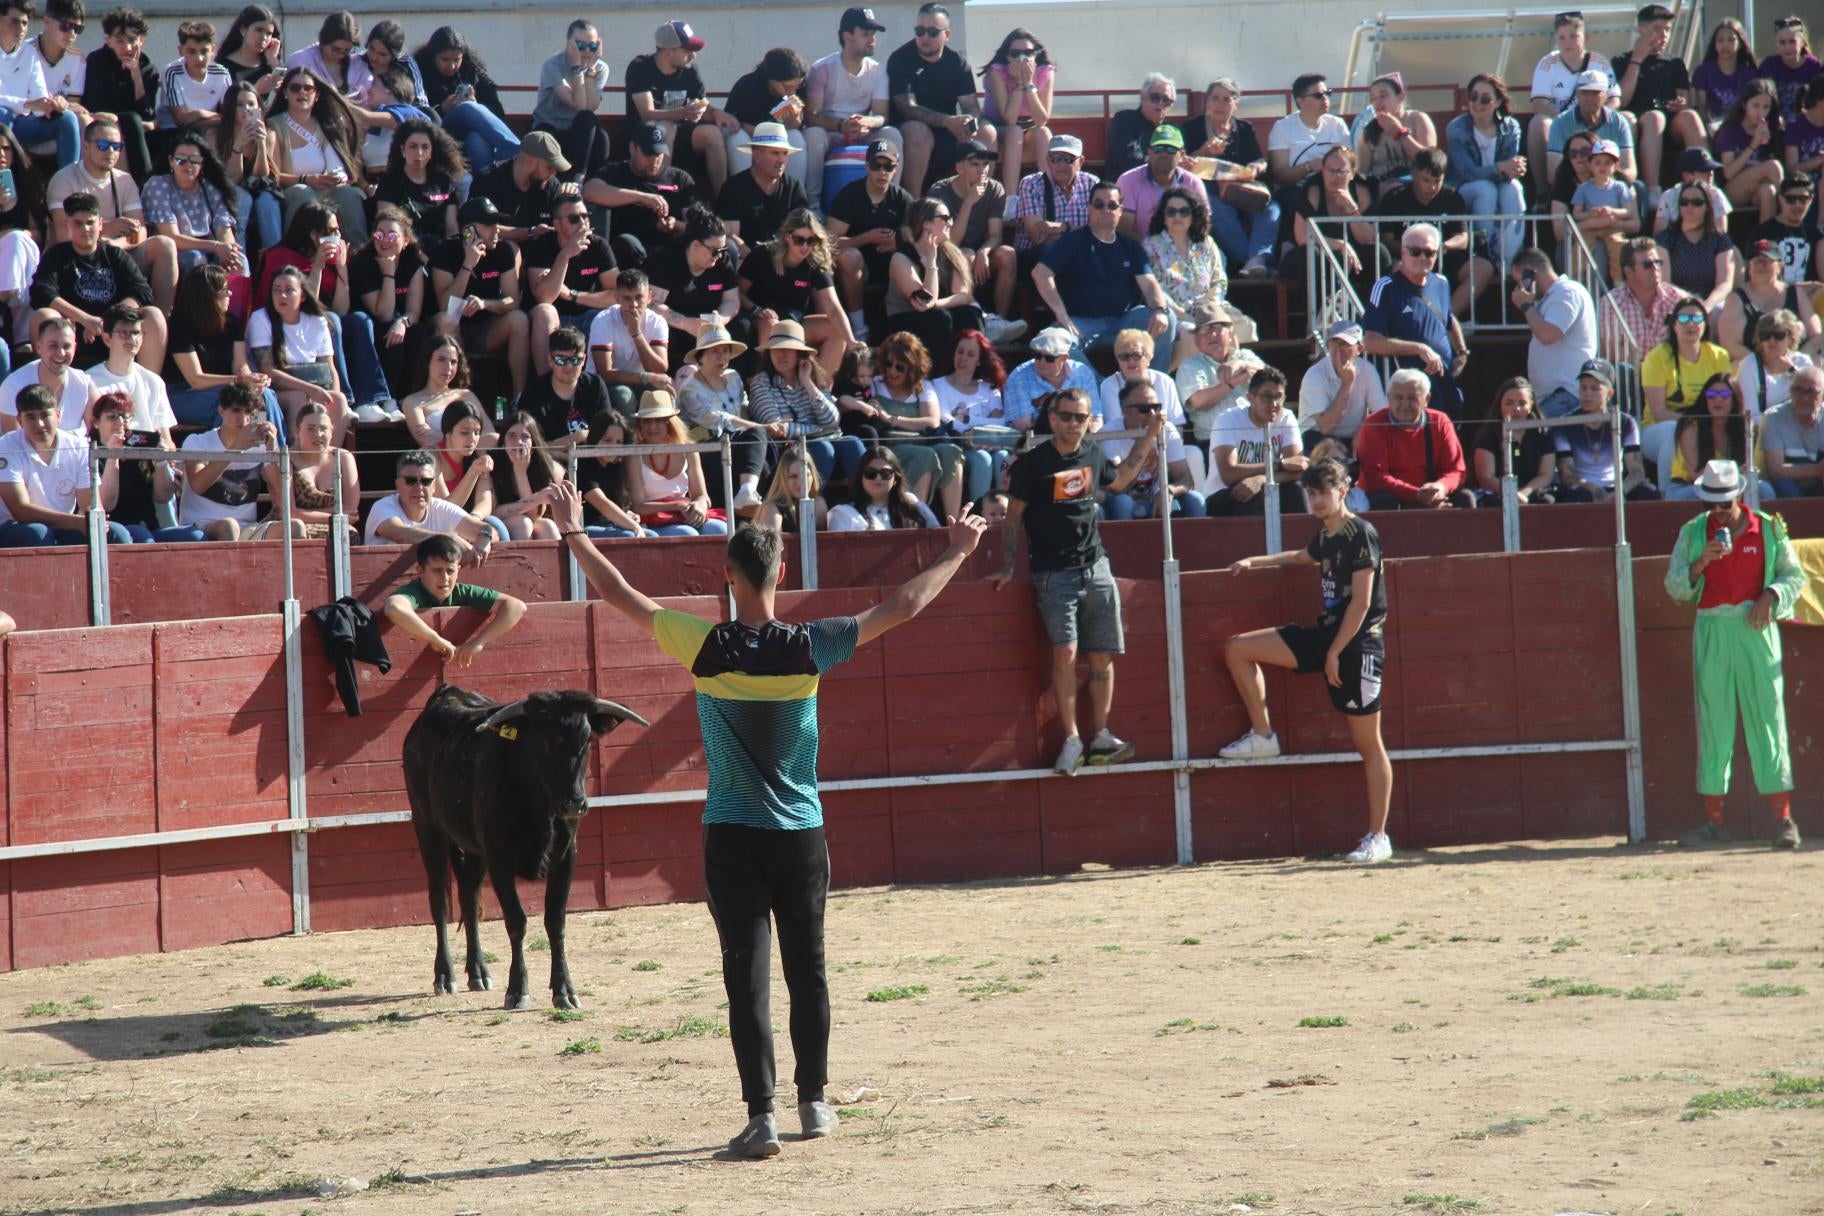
{"type": "Point", "coordinates": [1374, 849]}
{"type": "Point", "coordinates": [1705, 833]}
{"type": "Point", "coordinates": [370, 413]}
{"type": "Point", "coordinates": [1106, 749]}
{"type": "Point", "coordinates": [998, 329]}
{"type": "Point", "coordinates": [1252, 746]}
{"type": "Point", "coordinates": [1070, 757]}
{"type": "Point", "coordinates": [393, 412]}
{"type": "Point", "coordinates": [760, 1138]}
{"type": "Point", "coordinates": [817, 1118]}
{"type": "Point", "coordinates": [1256, 268]}
{"type": "Point", "coordinates": [747, 498]}
{"type": "Point", "coordinates": [858, 323]}
{"type": "Point", "coordinates": [1786, 836]}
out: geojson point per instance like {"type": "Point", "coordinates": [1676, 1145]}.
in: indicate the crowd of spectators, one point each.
{"type": "Point", "coordinates": [258, 245]}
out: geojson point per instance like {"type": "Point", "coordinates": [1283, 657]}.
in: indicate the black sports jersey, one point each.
{"type": "Point", "coordinates": [1354, 546]}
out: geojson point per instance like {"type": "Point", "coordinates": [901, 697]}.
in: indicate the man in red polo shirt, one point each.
{"type": "Point", "coordinates": [1739, 568]}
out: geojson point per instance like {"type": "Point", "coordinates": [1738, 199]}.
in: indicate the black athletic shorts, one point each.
{"type": "Point", "coordinates": [1359, 666]}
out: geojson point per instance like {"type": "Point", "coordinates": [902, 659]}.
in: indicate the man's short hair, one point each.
{"type": "Point", "coordinates": [1564, 19]}
{"type": "Point", "coordinates": [1264, 377]}
{"type": "Point", "coordinates": [99, 124]}
{"type": "Point", "coordinates": [124, 20]}
{"type": "Point", "coordinates": [126, 312]}
{"type": "Point", "coordinates": [933, 9]}
{"type": "Point", "coordinates": [1325, 475]}
{"type": "Point", "coordinates": [36, 398]}
{"type": "Point", "coordinates": [1652, 12]}
{"type": "Point", "coordinates": [238, 396]}
{"type": "Point", "coordinates": [1631, 251]}
{"type": "Point", "coordinates": [1431, 230]}
{"type": "Point", "coordinates": [81, 203]}
{"type": "Point", "coordinates": [64, 10]}
{"type": "Point", "coordinates": [1161, 79]}
{"type": "Point", "coordinates": [1797, 181]}
{"type": "Point", "coordinates": [1130, 387]}
{"type": "Point", "coordinates": [195, 31]}
{"type": "Point", "coordinates": [442, 546]}
{"type": "Point", "coordinates": [1410, 375]}
{"type": "Point", "coordinates": [56, 322]}
{"type": "Point", "coordinates": [1102, 187]}
{"type": "Point", "coordinates": [1430, 160]}
{"type": "Point", "coordinates": [1302, 84]}
{"type": "Point", "coordinates": [417, 458]}
{"type": "Point", "coordinates": [569, 340]}
{"type": "Point", "coordinates": [754, 554]}
{"type": "Point", "coordinates": [1533, 257]}
{"type": "Point", "coordinates": [632, 279]}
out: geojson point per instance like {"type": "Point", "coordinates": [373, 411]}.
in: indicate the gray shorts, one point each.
{"type": "Point", "coordinates": [1081, 607]}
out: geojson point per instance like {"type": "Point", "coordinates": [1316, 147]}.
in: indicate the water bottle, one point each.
{"type": "Point", "coordinates": [500, 411]}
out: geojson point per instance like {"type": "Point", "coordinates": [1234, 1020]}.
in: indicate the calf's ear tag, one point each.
{"type": "Point", "coordinates": [509, 732]}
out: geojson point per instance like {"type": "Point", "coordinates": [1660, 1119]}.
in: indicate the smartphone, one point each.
{"type": "Point", "coordinates": [922, 296]}
{"type": "Point", "coordinates": [6, 181]}
{"type": "Point", "coordinates": [469, 236]}
{"type": "Point", "coordinates": [1530, 281]}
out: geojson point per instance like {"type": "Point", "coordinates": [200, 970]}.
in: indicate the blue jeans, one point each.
{"type": "Point", "coordinates": [1243, 235]}
{"type": "Point", "coordinates": [15, 535]}
{"type": "Point", "coordinates": [1793, 489]}
{"type": "Point", "coordinates": [711, 527]}
{"type": "Point", "coordinates": [1189, 505]}
{"type": "Point", "coordinates": [606, 532]}
{"type": "Point", "coordinates": [66, 128]}
{"type": "Point", "coordinates": [982, 470]}
{"type": "Point", "coordinates": [142, 535]}
{"type": "Point", "coordinates": [485, 139]}
{"type": "Point", "coordinates": [826, 454]}
{"type": "Point", "coordinates": [197, 407]}
{"type": "Point", "coordinates": [1489, 197]}
{"type": "Point", "coordinates": [1093, 333]}
{"type": "Point", "coordinates": [256, 222]}
{"type": "Point", "coordinates": [1559, 403]}
{"type": "Point", "coordinates": [368, 384]}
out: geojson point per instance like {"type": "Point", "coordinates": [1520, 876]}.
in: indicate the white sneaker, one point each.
{"type": "Point", "coordinates": [370, 413]}
{"type": "Point", "coordinates": [1071, 757]}
{"type": "Point", "coordinates": [393, 412]}
{"type": "Point", "coordinates": [998, 329]}
{"type": "Point", "coordinates": [1252, 746]}
{"type": "Point", "coordinates": [1376, 847]}
{"type": "Point", "coordinates": [747, 498]}
{"type": "Point", "coordinates": [1256, 268]}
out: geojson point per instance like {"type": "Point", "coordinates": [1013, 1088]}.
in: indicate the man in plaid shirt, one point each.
{"type": "Point", "coordinates": [1645, 300]}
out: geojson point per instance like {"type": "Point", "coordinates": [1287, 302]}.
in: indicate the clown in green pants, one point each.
{"type": "Point", "coordinates": [1738, 566]}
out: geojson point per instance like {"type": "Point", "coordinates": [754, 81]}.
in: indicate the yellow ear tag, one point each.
{"type": "Point", "coordinates": [509, 732]}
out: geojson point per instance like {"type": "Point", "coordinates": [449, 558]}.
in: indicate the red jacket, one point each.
{"type": "Point", "coordinates": [1394, 459]}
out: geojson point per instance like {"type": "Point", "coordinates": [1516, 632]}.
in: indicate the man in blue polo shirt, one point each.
{"type": "Point", "coordinates": [764, 856]}
{"type": "Point", "coordinates": [1409, 319]}
{"type": "Point", "coordinates": [1097, 282]}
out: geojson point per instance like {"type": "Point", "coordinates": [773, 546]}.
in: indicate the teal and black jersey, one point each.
{"type": "Point", "coordinates": [757, 704]}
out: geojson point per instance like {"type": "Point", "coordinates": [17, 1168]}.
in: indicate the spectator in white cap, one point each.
{"type": "Point", "coordinates": [1555, 88]}
{"type": "Point", "coordinates": [1052, 201]}
{"type": "Point", "coordinates": [1605, 207]}
{"type": "Point", "coordinates": [1050, 370]}
{"type": "Point", "coordinates": [845, 97]}
{"type": "Point", "coordinates": [1590, 113]}
{"type": "Point", "coordinates": [1244, 219]}
{"type": "Point", "coordinates": [1339, 390]}
{"type": "Point", "coordinates": [772, 92]}
{"type": "Point", "coordinates": [665, 88]}
{"type": "Point", "coordinates": [754, 202]}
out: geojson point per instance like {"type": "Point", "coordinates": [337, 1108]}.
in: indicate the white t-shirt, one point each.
{"type": "Point", "coordinates": [72, 406]}
{"type": "Point", "coordinates": [1317, 391]}
{"type": "Point", "coordinates": [1567, 305]}
{"type": "Point", "coordinates": [1666, 213]}
{"type": "Point", "coordinates": [151, 404]}
{"type": "Point", "coordinates": [1234, 429]}
{"type": "Point", "coordinates": [66, 77]}
{"type": "Point", "coordinates": [1779, 384]}
{"type": "Point", "coordinates": [51, 484]}
{"type": "Point", "coordinates": [235, 495]}
{"type": "Point", "coordinates": [306, 342]}
{"type": "Point", "coordinates": [1307, 147]}
{"type": "Point", "coordinates": [443, 516]}
{"type": "Point", "coordinates": [609, 332]}
{"type": "Point", "coordinates": [829, 89]}
{"type": "Point", "coordinates": [73, 179]}
{"type": "Point", "coordinates": [176, 88]}
{"type": "Point", "coordinates": [871, 518]}
{"type": "Point", "coordinates": [1146, 484]}
{"type": "Point", "coordinates": [1556, 79]}
{"type": "Point", "coordinates": [982, 407]}
{"type": "Point", "coordinates": [1164, 386]}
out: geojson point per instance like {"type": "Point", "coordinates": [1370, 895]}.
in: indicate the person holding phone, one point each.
{"type": "Point", "coordinates": [252, 50]}
{"type": "Point", "coordinates": [570, 90]}
{"type": "Point", "coordinates": [477, 281]}
{"type": "Point", "coordinates": [457, 84]}
{"type": "Point", "coordinates": [317, 159]}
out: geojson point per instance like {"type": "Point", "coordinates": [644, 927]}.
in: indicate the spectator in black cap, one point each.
{"type": "Point", "coordinates": [979, 203]}
{"type": "Point", "coordinates": [664, 88]}
{"type": "Point", "coordinates": [845, 97]}
{"type": "Point", "coordinates": [480, 270]}
{"type": "Point", "coordinates": [772, 92]}
{"type": "Point", "coordinates": [934, 98]}
{"type": "Point", "coordinates": [864, 219]}
{"type": "Point", "coordinates": [646, 193]}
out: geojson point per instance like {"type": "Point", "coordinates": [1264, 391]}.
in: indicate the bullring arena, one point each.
{"type": "Point", "coordinates": [1150, 988]}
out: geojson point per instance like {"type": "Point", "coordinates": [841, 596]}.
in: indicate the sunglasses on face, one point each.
{"type": "Point", "coordinates": [943, 216]}
{"type": "Point", "coordinates": [109, 145]}
{"type": "Point", "coordinates": [415, 481]}
{"type": "Point", "coordinates": [299, 86]}
{"type": "Point", "coordinates": [1022, 54]}
{"type": "Point", "coordinates": [1648, 263]}
{"type": "Point", "coordinates": [1427, 254]}
{"type": "Point", "coordinates": [1160, 149]}
{"type": "Point", "coordinates": [882, 166]}
{"type": "Point", "coordinates": [1318, 93]}
{"type": "Point", "coordinates": [878, 473]}
{"type": "Point", "coordinates": [1160, 99]}
{"type": "Point", "coordinates": [1049, 358]}
{"type": "Point", "coordinates": [1177, 213]}
{"type": "Point", "coordinates": [70, 27]}
{"type": "Point", "coordinates": [1069, 416]}
{"type": "Point", "coordinates": [1795, 198]}
{"type": "Point", "coordinates": [800, 241]}
{"type": "Point", "coordinates": [927, 31]}
{"type": "Point", "coordinates": [1579, 153]}
{"type": "Point", "coordinates": [123, 419]}
{"type": "Point", "coordinates": [1129, 356]}
{"type": "Point", "coordinates": [895, 365]}
{"type": "Point", "coordinates": [1145, 407]}
{"type": "Point", "coordinates": [587, 46]}
{"type": "Point", "coordinates": [1062, 158]}
{"type": "Point", "coordinates": [1481, 99]}
{"type": "Point", "coordinates": [186, 160]}
{"type": "Point", "coordinates": [1693, 202]}
{"type": "Point", "coordinates": [567, 360]}
{"type": "Point", "coordinates": [1719, 394]}
{"type": "Point", "coordinates": [1690, 318]}
{"type": "Point", "coordinates": [1105, 205]}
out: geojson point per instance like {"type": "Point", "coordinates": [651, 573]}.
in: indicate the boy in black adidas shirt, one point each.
{"type": "Point", "coordinates": [1346, 644]}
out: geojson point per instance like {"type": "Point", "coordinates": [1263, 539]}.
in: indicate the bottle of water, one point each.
{"type": "Point", "coordinates": [500, 411]}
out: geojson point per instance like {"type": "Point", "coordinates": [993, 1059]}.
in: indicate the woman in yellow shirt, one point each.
{"type": "Point", "coordinates": [1673, 375]}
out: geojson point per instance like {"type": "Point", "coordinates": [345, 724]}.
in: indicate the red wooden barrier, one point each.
{"type": "Point", "coordinates": [139, 728]}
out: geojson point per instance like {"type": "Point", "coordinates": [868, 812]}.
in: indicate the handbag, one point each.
{"type": "Point", "coordinates": [1246, 196]}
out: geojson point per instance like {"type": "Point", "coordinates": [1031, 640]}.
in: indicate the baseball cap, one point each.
{"type": "Point", "coordinates": [1598, 370]}
{"type": "Point", "coordinates": [649, 138]}
{"type": "Point", "coordinates": [1209, 312]}
{"type": "Point", "coordinates": [677, 35]}
{"type": "Point", "coordinates": [858, 19]}
{"type": "Point", "coordinates": [542, 145]}
{"type": "Point", "coordinates": [1066, 143]}
{"type": "Point", "coordinates": [1165, 135]}
{"type": "Point", "coordinates": [1763, 249]}
{"type": "Point", "coordinates": [974, 149]}
{"type": "Point", "coordinates": [1604, 147]}
{"type": "Point", "coordinates": [883, 149]}
{"type": "Point", "coordinates": [1054, 340]}
{"type": "Point", "coordinates": [480, 210]}
{"type": "Point", "coordinates": [1697, 160]}
{"type": "Point", "coordinates": [1595, 80]}
{"type": "Point", "coordinates": [1347, 331]}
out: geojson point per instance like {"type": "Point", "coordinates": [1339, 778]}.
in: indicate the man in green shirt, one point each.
{"type": "Point", "coordinates": [439, 564]}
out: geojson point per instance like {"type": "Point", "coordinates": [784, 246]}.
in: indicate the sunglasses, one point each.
{"type": "Point", "coordinates": [567, 360]}
{"type": "Point", "coordinates": [1129, 356]}
{"type": "Point", "coordinates": [186, 160]}
{"type": "Point", "coordinates": [1156, 149]}
{"type": "Point", "coordinates": [942, 215]}
{"type": "Point", "coordinates": [1026, 54]}
{"type": "Point", "coordinates": [878, 473]}
{"type": "Point", "coordinates": [588, 46]}
{"type": "Point", "coordinates": [882, 166]}
{"type": "Point", "coordinates": [1720, 394]}
{"type": "Point", "coordinates": [1177, 212]}
{"type": "Point", "coordinates": [110, 145]}
{"type": "Point", "coordinates": [1317, 93]}
{"type": "Point", "coordinates": [1795, 198]}
{"type": "Point", "coordinates": [1579, 153]}
{"type": "Point", "coordinates": [1481, 99]}
{"type": "Point", "coordinates": [1104, 205]}
{"type": "Point", "coordinates": [300, 86]}
{"type": "Point", "coordinates": [1062, 158]}
{"type": "Point", "coordinates": [801, 242]}
{"type": "Point", "coordinates": [895, 365]}
{"type": "Point", "coordinates": [927, 31]}
{"type": "Point", "coordinates": [1049, 358]}
{"type": "Point", "coordinates": [1694, 202]}
{"type": "Point", "coordinates": [416, 481]}
{"type": "Point", "coordinates": [1689, 318]}
{"type": "Point", "coordinates": [1160, 99]}
{"type": "Point", "coordinates": [1789, 23]}
{"type": "Point", "coordinates": [1648, 263]}
{"type": "Point", "coordinates": [120, 418]}
{"type": "Point", "coordinates": [1427, 254]}
{"type": "Point", "coordinates": [1146, 407]}
{"type": "Point", "coordinates": [1069, 416]}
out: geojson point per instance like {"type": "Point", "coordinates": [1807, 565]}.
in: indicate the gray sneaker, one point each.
{"type": "Point", "coordinates": [1786, 836]}
{"type": "Point", "coordinates": [817, 1118]}
{"type": "Point", "coordinates": [760, 1138]}
{"type": "Point", "coordinates": [1705, 833]}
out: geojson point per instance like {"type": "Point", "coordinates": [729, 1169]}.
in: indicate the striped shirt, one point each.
{"type": "Point", "coordinates": [757, 705]}
{"type": "Point", "coordinates": [177, 88]}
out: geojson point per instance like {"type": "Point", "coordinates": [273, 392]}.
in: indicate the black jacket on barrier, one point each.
{"type": "Point", "coordinates": [351, 632]}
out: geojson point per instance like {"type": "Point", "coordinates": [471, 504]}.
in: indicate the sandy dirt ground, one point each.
{"type": "Point", "coordinates": [1532, 1028]}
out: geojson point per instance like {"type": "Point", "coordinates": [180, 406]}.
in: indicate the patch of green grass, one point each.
{"type": "Point", "coordinates": [1783, 1084]}
{"type": "Point", "coordinates": [488, 956]}
{"type": "Point", "coordinates": [1655, 992]}
{"type": "Point", "coordinates": [88, 1002]}
{"type": "Point", "coordinates": [566, 1015]}
{"type": "Point", "coordinates": [1724, 943]}
{"type": "Point", "coordinates": [1713, 1100]}
{"type": "Point", "coordinates": [1404, 1028]}
{"type": "Point", "coordinates": [647, 964]}
{"type": "Point", "coordinates": [393, 1017]}
{"type": "Point", "coordinates": [1381, 939]}
{"type": "Point", "coordinates": [44, 1009]}
{"type": "Point", "coordinates": [1252, 1199]}
{"type": "Point", "coordinates": [582, 1047]}
{"type": "Point", "coordinates": [539, 943]}
{"type": "Point", "coordinates": [991, 988]}
{"type": "Point", "coordinates": [1782, 964]}
{"type": "Point", "coordinates": [499, 1019]}
{"type": "Point", "coordinates": [1565, 943]}
{"type": "Point", "coordinates": [1507, 1127]}
{"type": "Point", "coordinates": [1190, 941]}
{"type": "Point", "coordinates": [1458, 937]}
{"type": "Point", "coordinates": [228, 1026]}
{"type": "Point", "coordinates": [276, 981]}
{"type": "Point", "coordinates": [1440, 1203]}
{"type": "Point", "coordinates": [394, 1179]}
{"type": "Point", "coordinates": [318, 981]}
{"type": "Point", "coordinates": [1185, 1026]}
{"type": "Point", "coordinates": [686, 1028]}
{"type": "Point", "coordinates": [171, 1036]}
{"type": "Point", "coordinates": [1323, 1022]}
{"type": "Point", "coordinates": [1110, 949]}
{"type": "Point", "coordinates": [1773, 990]}
{"type": "Point", "coordinates": [1557, 987]}
{"type": "Point", "coordinates": [901, 992]}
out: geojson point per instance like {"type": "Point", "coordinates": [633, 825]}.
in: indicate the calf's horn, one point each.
{"type": "Point", "coordinates": [505, 713]}
{"type": "Point", "coordinates": [616, 710]}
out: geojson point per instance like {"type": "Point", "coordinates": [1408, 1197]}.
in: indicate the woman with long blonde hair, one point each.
{"type": "Point", "coordinates": [792, 278]}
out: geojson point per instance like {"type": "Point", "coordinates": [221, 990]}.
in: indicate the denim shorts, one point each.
{"type": "Point", "coordinates": [1081, 607]}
